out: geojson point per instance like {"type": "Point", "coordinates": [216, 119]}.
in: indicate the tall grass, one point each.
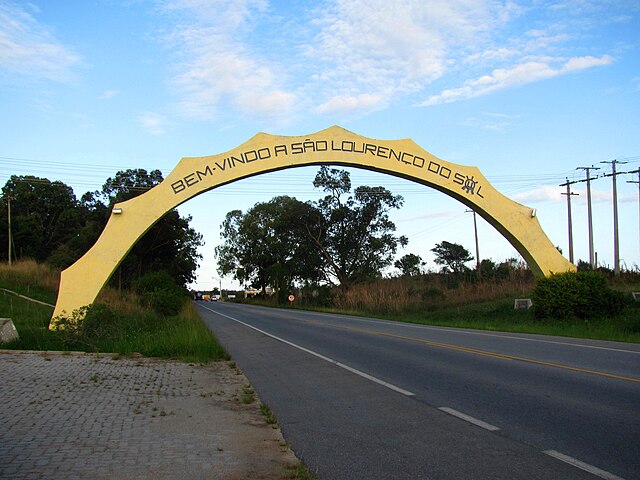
{"type": "Point", "coordinates": [183, 336]}
{"type": "Point", "coordinates": [27, 277]}
{"type": "Point", "coordinates": [427, 293]}
{"type": "Point", "coordinates": [121, 326]}
{"type": "Point", "coordinates": [31, 321]}
{"type": "Point", "coordinates": [488, 304]}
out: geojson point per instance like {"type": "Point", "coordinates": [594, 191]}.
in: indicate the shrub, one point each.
{"type": "Point", "coordinates": [160, 292]}
{"type": "Point", "coordinates": [583, 295]}
{"type": "Point", "coordinates": [88, 326]}
{"type": "Point", "coordinates": [317, 296]}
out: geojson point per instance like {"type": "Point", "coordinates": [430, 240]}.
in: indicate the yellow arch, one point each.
{"type": "Point", "coordinates": [82, 281]}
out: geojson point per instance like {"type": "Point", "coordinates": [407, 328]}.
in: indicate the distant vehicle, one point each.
{"type": "Point", "coordinates": [197, 296]}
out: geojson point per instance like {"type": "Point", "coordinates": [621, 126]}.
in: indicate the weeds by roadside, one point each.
{"type": "Point", "coordinates": [117, 323]}
{"type": "Point", "coordinates": [27, 277]}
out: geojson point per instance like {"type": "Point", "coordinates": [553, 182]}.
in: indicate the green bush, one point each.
{"type": "Point", "coordinates": [88, 326]}
{"type": "Point", "coordinates": [583, 295]}
{"type": "Point", "coordinates": [160, 292]}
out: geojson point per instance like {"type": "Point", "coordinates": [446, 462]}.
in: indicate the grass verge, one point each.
{"type": "Point", "coordinates": [128, 328]}
{"type": "Point", "coordinates": [499, 315]}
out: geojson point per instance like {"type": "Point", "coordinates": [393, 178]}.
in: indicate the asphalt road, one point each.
{"type": "Point", "coordinates": [362, 398]}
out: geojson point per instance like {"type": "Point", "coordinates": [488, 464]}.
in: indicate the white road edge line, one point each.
{"type": "Point", "coordinates": [583, 466]}
{"type": "Point", "coordinates": [322, 357]}
{"type": "Point", "coordinates": [470, 419]}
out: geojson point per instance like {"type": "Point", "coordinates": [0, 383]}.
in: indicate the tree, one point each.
{"type": "Point", "coordinates": [170, 244]}
{"type": "Point", "coordinates": [336, 240]}
{"type": "Point", "coordinates": [267, 247]}
{"type": "Point", "coordinates": [49, 223]}
{"type": "Point", "coordinates": [44, 215]}
{"type": "Point", "coordinates": [452, 255]}
{"type": "Point", "coordinates": [354, 236]}
{"type": "Point", "coordinates": [409, 265]}
{"type": "Point", "coordinates": [128, 184]}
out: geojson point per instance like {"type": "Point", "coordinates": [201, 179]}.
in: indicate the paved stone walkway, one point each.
{"type": "Point", "coordinates": [80, 416]}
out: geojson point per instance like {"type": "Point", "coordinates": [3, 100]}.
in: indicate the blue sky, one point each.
{"type": "Point", "coordinates": [526, 90]}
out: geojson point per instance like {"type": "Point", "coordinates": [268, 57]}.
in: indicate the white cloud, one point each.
{"type": "Point", "coordinates": [271, 60]}
{"type": "Point", "coordinates": [580, 63]}
{"type": "Point", "coordinates": [544, 194]}
{"type": "Point", "coordinates": [218, 69]}
{"type": "Point", "coordinates": [107, 94]}
{"type": "Point", "coordinates": [152, 122]}
{"type": "Point", "coordinates": [351, 103]}
{"type": "Point", "coordinates": [497, 122]}
{"type": "Point", "coordinates": [517, 75]}
{"type": "Point", "coordinates": [28, 49]}
{"type": "Point", "coordinates": [557, 194]}
{"type": "Point", "coordinates": [370, 52]}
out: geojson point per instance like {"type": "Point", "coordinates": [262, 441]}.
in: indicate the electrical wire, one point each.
{"type": "Point", "coordinates": [293, 183]}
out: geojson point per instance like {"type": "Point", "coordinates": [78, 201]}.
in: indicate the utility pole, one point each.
{"type": "Point", "coordinates": [568, 194]}
{"type": "Point", "coordinates": [9, 223]}
{"type": "Point", "coordinates": [616, 240]}
{"type": "Point", "coordinates": [638, 182]}
{"type": "Point", "coordinates": [220, 289]}
{"type": "Point", "coordinates": [475, 229]}
{"type": "Point", "coordinates": [592, 260]}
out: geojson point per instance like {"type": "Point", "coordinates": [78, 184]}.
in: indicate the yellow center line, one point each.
{"type": "Point", "coordinates": [476, 351]}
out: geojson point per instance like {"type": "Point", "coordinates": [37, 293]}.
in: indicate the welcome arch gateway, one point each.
{"type": "Point", "coordinates": [82, 281]}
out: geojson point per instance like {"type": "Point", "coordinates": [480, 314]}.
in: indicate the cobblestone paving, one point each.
{"type": "Point", "coordinates": [81, 416]}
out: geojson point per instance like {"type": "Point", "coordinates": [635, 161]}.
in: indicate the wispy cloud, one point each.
{"type": "Point", "coordinates": [28, 49]}
{"type": "Point", "coordinates": [496, 122]}
{"type": "Point", "coordinates": [556, 194]}
{"type": "Point", "coordinates": [347, 57]}
{"type": "Point", "coordinates": [152, 122]}
{"type": "Point", "coordinates": [544, 194]}
{"type": "Point", "coordinates": [108, 94]}
{"type": "Point", "coordinates": [370, 52]}
{"type": "Point", "coordinates": [517, 75]}
{"type": "Point", "coordinates": [218, 68]}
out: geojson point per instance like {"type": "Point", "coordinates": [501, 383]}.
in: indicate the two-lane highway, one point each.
{"type": "Point", "coordinates": [363, 398]}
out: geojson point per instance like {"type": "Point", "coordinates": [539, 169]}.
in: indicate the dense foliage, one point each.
{"type": "Point", "coordinates": [354, 235]}
{"type": "Point", "coordinates": [582, 295]}
{"type": "Point", "coordinates": [44, 216]}
{"type": "Point", "coordinates": [263, 247]}
{"type": "Point", "coordinates": [344, 238]}
{"type": "Point", "coordinates": [452, 256]}
{"type": "Point", "coordinates": [159, 291]}
{"type": "Point", "coordinates": [50, 224]}
{"type": "Point", "coordinates": [409, 265]}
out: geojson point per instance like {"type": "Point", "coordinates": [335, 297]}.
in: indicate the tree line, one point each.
{"type": "Point", "coordinates": [50, 224]}
{"type": "Point", "coordinates": [342, 239]}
